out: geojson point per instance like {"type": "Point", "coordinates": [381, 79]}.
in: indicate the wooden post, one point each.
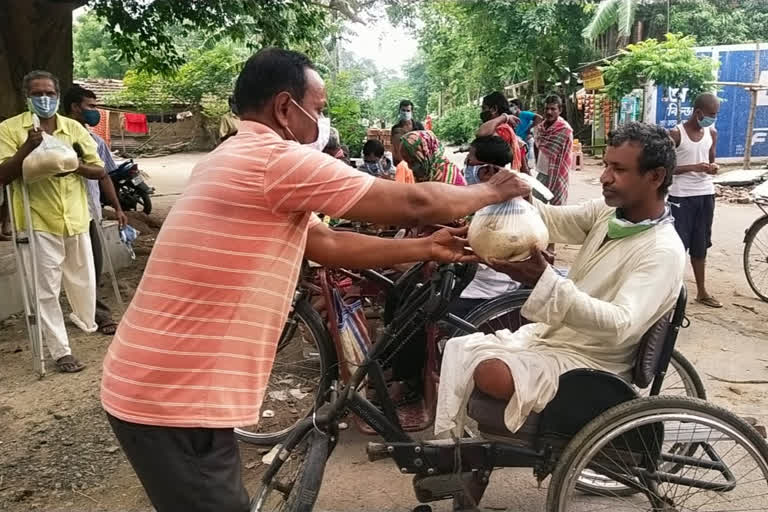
{"type": "Point", "coordinates": [752, 110]}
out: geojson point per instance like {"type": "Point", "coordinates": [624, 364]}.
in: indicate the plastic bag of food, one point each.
{"type": "Point", "coordinates": [51, 157]}
{"type": "Point", "coordinates": [507, 231]}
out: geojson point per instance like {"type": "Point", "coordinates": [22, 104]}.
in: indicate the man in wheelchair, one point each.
{"type": "Point", "coordinates": [626, 276]}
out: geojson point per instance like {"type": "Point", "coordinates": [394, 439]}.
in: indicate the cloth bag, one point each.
{"type": "Point", "coordinates": [51, 157]}
{"type": "Point", "coordinates": [353, 339]}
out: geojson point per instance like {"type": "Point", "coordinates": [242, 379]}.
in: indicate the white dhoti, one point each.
{"type": "Point", "coordinates": [535, 370]}
{"type": "Point", "coordinates": [66, 261]}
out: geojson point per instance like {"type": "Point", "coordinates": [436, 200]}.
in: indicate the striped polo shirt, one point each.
{"type": "Point", "coordinates": [195, 347]}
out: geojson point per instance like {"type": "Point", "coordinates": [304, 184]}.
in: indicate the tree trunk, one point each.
{"type": "Point", "coordinates": [34, 34]}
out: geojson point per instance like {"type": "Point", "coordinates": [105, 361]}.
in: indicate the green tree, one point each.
{"type": "Point", "coordinates": [672, 63]}
{"type": "Point", "coordinates": [37, 34]}
{"type": "Point", "coordinates": [95, 56]}
{"type": "Point", "coordinates": [613, 12]}
{"type": "Point", "coordinates": [347, 108]}
{"type": "Point", "coordinates": [387, 97]}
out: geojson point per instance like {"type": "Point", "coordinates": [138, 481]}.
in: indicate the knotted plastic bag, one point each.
{"type": "Point", "coordinates": [507, 231]}
{"type": "Point", "coordinates": [51, 157]}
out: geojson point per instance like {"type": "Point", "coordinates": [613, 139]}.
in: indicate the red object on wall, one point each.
{"type": "Point", "coordinates": [136, 123]}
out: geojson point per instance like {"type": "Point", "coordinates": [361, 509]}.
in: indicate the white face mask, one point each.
{"type": "Point", "coordinates": [323, 130]}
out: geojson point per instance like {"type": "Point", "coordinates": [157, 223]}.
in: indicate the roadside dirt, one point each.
{"type": "Point", "coordinates": [58, 453]}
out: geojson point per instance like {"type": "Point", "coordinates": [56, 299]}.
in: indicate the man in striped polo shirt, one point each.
{"type": "Point", "coordinates": [193, 353]}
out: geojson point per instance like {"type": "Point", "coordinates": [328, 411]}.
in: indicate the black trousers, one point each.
{"type": "Point", "coordinates": [185, 469]}
{"type": "Point", "coordinates": [103, 313]}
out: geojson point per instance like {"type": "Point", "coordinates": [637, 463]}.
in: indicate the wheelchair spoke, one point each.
{"type": "Point", "coordinates": [684, 456]}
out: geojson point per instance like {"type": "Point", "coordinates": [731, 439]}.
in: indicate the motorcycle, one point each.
{"type": "Point", "coordinates": [132, 191]}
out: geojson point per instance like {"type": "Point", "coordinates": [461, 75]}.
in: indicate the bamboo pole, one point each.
{"type": "Point", "coordinates": [752, 110]}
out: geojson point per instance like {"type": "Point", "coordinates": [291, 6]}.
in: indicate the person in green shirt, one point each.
{"type": "Point", "coordinates": [59, 211]}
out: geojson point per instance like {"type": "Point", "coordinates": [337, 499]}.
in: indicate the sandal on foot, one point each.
{"type": "Point", "coordinates": [68, 364]}
{"type": "Point", "coordinates": [710, 301]}
{"type": "Point", "coordinates": [108, 328]}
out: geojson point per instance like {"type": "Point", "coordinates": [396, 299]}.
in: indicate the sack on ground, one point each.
{"type": "Point", "coordinates": [51, 157]}
{"type": "Point", "coordinates": [507, 231]}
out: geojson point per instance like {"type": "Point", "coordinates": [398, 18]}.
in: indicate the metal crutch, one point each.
{"type": "Point", "coordinates": [28, 276]}
{"type": "Point", "coordinates": [105, 251]}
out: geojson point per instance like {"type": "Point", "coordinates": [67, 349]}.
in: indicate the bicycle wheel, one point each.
{"type": "Point", "coordinates": [304, 367]}
{"type": "Point", "coordinates": [756, 258]}
{"type": "Point", "coordinates": [295, 486]}
{"type": "Point", "coordinates": [637, 442]}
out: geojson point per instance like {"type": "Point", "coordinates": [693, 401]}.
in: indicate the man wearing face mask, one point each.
{"type": "Point", "coordinates": [692, 194]}
{"type": "Point", "coordinates": [60, 216]}
{"type": "Point", "coordinates": [405, 118]}
{"type": "Point", "coordinates": [193, 354]}
{"type": "Point", "coordinates": [79, 104]}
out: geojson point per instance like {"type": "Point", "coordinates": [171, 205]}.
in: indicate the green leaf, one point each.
{"type": "Point", "coordinates": [604, 17]}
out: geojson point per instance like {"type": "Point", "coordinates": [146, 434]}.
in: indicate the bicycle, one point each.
{"type": "Point", "coordinates": [596, 438]}
{"type": "Point", "coordinates": [756, 251]}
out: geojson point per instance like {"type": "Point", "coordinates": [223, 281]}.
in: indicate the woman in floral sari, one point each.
{"type": "Point", "coordinates": [425, 157]}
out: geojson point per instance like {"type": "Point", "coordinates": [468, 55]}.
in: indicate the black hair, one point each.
{"type": "Point", "coordinates": [373, 147]}
{"type": "Point", "coordinates": [406, 103]}
{"type": "Point", "coordinates": [553, 98]}
{"type": "Point", "coordinates": [492, 149]}
{"type": "Point", "coordinates": [268, 72]}
{"type": "Point", "coordinates": [496, 99]}
{"type": "Point", "coordinates": [75, 94]}
{"type": "Point", "coordinates": [516, 101]}
{"type": "Point", "coordinates": [658, 148]}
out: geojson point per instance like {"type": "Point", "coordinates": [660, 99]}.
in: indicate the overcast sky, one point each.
{"type": "Point", "coordinates": [381, 42]}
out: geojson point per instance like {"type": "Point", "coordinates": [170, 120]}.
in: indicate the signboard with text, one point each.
{"type": "Point", "coordinates": [737, 63]}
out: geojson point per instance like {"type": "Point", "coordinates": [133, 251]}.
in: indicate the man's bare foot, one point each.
{"type": "Point", "coordinates": [68, 364]}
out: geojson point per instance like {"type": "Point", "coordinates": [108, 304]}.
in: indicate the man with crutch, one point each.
{"type": "Point", "coordinates": [58, 221]}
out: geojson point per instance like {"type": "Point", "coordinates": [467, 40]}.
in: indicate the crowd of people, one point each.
{"type": "Point", "coordinates": [192, 355]}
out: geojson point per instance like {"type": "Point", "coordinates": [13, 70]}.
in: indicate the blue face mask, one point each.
{"type": "Point", "coordinates": [91, 117]}
{"type": "Point", "coordinates": [44, 106]}
{"type": "Point", "coordinates": [470, 174]}
{"type": "Point", "coordinates": [372, 168]}
{"type": "Point", "coordinates": [706, 121]}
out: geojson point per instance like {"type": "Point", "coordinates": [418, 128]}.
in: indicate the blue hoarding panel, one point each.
{"type": "Point", "coordinates": [735, 66]}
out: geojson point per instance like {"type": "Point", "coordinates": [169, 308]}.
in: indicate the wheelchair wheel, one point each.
{"type": "Point", "coordinates": [638, 444]}
{"type": "Point", "coordinates": [503, 312]}
{"type": "Point", "coordinates": [295, 486]}
{"type": "Point", "coordinates": [681, 379]}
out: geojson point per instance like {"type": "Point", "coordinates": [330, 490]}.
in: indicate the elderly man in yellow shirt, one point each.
{"type": "Point", "coordinates": [60, 215]}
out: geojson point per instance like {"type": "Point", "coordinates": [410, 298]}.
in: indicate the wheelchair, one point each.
{"type": "Point", "coordinates": [602, 446]}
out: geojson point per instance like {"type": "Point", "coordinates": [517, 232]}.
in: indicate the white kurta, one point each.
{"type": "Point", "coordinates": [595, 318]}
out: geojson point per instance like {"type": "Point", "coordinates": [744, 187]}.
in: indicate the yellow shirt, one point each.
{"type": "Point", "coordinates": [59, 205]}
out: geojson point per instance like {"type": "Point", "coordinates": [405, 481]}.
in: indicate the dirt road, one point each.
{"type": "Point", "coordinates": [57, 452]}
